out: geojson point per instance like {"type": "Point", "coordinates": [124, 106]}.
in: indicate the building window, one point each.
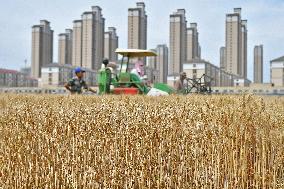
{"type": "Point", "coordinates": [194, 65]}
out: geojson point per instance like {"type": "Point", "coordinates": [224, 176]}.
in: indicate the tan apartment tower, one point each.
{"type": "Point", "coordinates": [178, 25]}
{"type": "Point", "coordinates": [244, 50]}
{"type": "Point", "coordinates": [42, 47]}
{"type": "Point", "coordinates": [99, 36]}
{"type": "Point", "coordinates": [258, 64]}
{"type": "Point", "coordinates": [192, 43]}
{"type": "Point", "coordinates": [222, 57]}
{"type": "Point", "coordinates": [236, 44]}
{"type": "Point", "coordinates": [111, 44]}
{"type": "Point", "coordinates": [137, 27]}
{"type": "Point", "coordinates": [65, 47]}
{"type": "Point", "coordinates": [77, 43]}
{"type": "Point", "coordinates": [92, 38]}
{"type": "Point", "coordinates": [277, 72]}
{"type": "Point", "coordinates": [152, 60]}
{"type": "Point", "coordinates": [162, 62]}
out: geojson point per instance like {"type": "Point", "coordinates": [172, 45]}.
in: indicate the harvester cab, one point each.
{"type": "Point", "coordinates": [123, 82]}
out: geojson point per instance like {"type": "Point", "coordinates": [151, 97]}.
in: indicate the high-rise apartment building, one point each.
{"type": "Point", "coordinates": [99, 36]}
{"type": "Point", "coordinates": [243, 72]}
{"type": "Point", "coordinates": [236, 44]}
{"type": "Point", "coordinates": [65, 47]}
{"type": "Point", "coordinates": [92, 38]}
{"type": "Point", "coordinates": [111, 44]}
{"type": "Point", "coordinates": [277, 71]}
{"type": "Point", "coordinates": [88, 39]}
{"type": "Point", "coordinates": [192, 43]}
{"type": "Point", "coordinates": [42, 47]}
{"type": "Point", "coordinates": [152, 60]}
{"type": "Point", "coordinates": [178, 25]}
{"type": "Point", "coordinates": [77, 43]}
{"type": "Point", "coordinates": [258, 64]}
{"type": "Point", "coordinates": [162, 62]}
{"type": "Point", "coordinates": [137, 27]}
{"type": "Point", "coordinates": [222, 57]}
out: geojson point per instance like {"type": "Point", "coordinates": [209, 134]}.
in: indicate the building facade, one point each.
{"type": "Point", "coordinates": [162, 62]}
{"type": "Point", "coordinates": [111, 44]}
{"type": "Point", "coordinates": [277, 71]}
{"type": "Point", "coordinates": [236, 44]}
{"type": "Point", "coordinates": [152, 60]}
{"type": "Point", "coordinates": [258, 64]}
{"type": "Point", "coordinates": [88, 39]}
{"type": "Point", "coordinates": [243, 67]}
{"type": "Point", "coordinates": [42, 47]}
{"type": "Point", "coordinates": [13, 78]}
{"type": "Point", "coordinates": [222, 57]}
{"type": "Point", "coordinates": [137, 27]}
{"type": "Point", "coordinates": [77, 43]}
{"type": "Point", "coordinates": [65, 47]}
{"type": "Point", "coordinates": [99, 37]}
{"type": "Point", "coordinates": [178, 25]}
{"type": "Point", "coordinates": [198, 68]}
{"type": "Point", "coordinates": [192, 42]}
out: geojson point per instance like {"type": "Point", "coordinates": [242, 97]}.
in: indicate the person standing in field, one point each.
{"type": "Point", "coordinates": [180, 85]}
{"type": "Point", "coordinates": [76, 84]}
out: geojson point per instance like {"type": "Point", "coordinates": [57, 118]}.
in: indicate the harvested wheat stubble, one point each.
{"type": "Point", "coordinates": [141, 142]}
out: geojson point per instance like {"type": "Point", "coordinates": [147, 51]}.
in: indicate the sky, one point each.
{"type": "Point", "coordinates": [265, 25]}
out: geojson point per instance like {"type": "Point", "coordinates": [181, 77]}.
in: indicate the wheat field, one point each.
{"type": "Point", "coordinates": [196, 141]}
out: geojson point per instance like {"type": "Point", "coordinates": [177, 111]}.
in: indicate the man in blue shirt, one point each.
{"type": "Point", "coordinates": [76, 84]}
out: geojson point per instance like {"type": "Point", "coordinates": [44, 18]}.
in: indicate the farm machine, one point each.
{"type": "Point", "coordinates": [125, 82]}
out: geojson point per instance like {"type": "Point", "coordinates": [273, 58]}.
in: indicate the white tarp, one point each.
{"type": "Point", "coordinates": [157, 92]}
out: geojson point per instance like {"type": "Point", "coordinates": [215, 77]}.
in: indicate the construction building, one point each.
{"type": "Point", "coordinates": [110, 44]}
{"type": "Point", "coordinates": [258, 64]}
{"type": "Point", "coordinates": [65, 47]}
{"type": "Point", "coordinates": [42, 47]}
{"type": "Point", "coordinates": [277, 72]}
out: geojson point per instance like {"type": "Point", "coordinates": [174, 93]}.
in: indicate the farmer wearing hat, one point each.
{"type": "Point", "coordinates": [76, 84]}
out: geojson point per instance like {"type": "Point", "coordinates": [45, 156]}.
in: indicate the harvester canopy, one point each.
{"type": "Point", "coordinates": [135, 53]}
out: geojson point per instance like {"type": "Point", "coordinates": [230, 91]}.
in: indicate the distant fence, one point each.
{"type": "Point", "coordinates": [215, 90]}
{"type": "Point", "coordinates": [33, 90]}
{"type": "Point", "coordinates": [246, 90]}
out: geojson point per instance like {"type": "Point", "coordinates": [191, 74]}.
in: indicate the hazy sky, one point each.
{"type": "Point", "coordinates": [265, 24]}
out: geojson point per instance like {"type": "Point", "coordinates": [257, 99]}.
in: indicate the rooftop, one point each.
{"type": "Point", "coordinates": [280, 59]}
